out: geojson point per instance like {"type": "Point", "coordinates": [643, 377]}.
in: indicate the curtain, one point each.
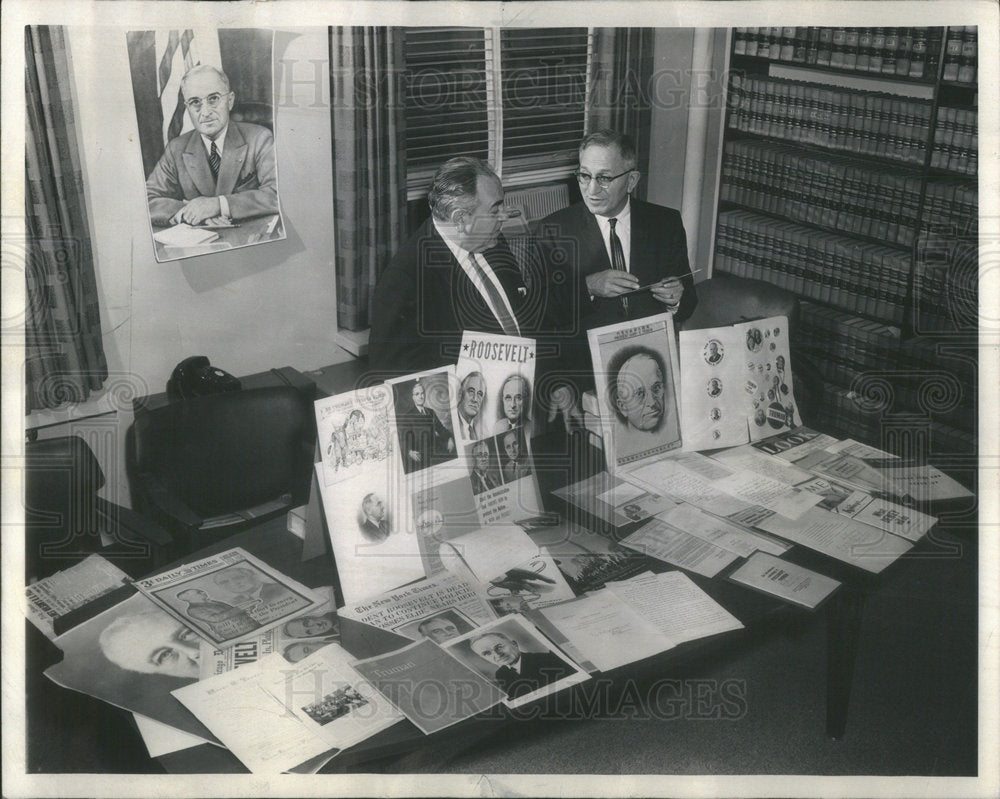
{"type": "Point", "coordinates": [64, 354]}
{"type": "Point", "coordinates": [621, 85]}
{"type": "Point", "coordinates": [369, 161]}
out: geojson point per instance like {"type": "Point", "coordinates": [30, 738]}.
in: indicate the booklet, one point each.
{"type": "Point", "coordinates": [229, 597]}
{"type": "Point", "coordinates": [636, 374]}
{"type": "Point", "coordinates": [517, 659]}
{"type": "Point", "coordinates": [615, 500]}
{"type": "Point", "coordinates": [790, 582]}
{"type": "Point", "coordinates": [656, 539]}
{"type": "Point", "coordinates": [494, 379]}
{"type": "Point", "coordinates": [432, 689]}
{"type": "Point", "coordinates": [607, 630]}
{"type": "Point", "coordinates": [440, 608]}
{"type": "Point", "coordinates": [736, 384]}
{"type": "Point", "coordinates": [675, 605]}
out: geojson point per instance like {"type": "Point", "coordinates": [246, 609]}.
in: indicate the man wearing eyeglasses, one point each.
{"type": "Point", "coordinates": [616, 243]}
{"type": "Point", "coordinates": [219, 172]}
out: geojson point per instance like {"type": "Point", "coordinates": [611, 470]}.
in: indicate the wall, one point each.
{"type": "Point", "coordinates": [248, 310]}
{"type": "Point", "coordinates": [687, 82]}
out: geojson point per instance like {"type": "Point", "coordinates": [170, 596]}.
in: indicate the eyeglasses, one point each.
{"type": "Point", "coordinates": [602, 180]}
{"type": "Point", "coordinates": [213, 100]}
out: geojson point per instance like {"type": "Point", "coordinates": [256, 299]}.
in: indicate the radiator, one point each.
{"type": "Point", "coordinates": [537, 202]}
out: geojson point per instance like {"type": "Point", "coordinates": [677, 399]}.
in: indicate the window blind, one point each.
{"type": "Point", "coordinates": [461, 93]}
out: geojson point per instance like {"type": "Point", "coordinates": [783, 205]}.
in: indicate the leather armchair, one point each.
{"type": "Point", "coordinates": [210, 466]}
{"type": "Point", "coordinates": [65, 519]}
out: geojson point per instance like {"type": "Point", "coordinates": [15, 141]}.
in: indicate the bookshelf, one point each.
{"type": "Point", "coordinates": [848, 176]}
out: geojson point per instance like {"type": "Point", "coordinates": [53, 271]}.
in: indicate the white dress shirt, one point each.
{"type": "Point", "coordinates": [462, 256]}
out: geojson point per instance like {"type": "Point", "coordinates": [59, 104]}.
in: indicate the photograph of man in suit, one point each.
{"type": "Point", "coordinates": [226, 621]}
{"type": "Point", "coordinates": [518, 673]}
{"type": "Point", "coordinates": [484, 475]}
{"type": "Point", "coordinates": [423, 439]}
{"type": "Point", "coordinates": [514, 406]}
{"type": "Point", "coordinates": [220, 172]}
{"type": "Point", "coordinates": [471, 401]}
{"type": "Point", "coordinates": [248, 588]}
{"type": "Point", "coordinates": [374, 525]}
{"type": "Point", "coordinates": [515, 465]}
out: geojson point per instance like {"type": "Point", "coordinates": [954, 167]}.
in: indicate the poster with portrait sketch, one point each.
{"type": "Point", "coordinates": [229, 597]}
{"type": "Point", "coordinates": [422, 419]}
{"type": "Point", "coordinates": [635, 373]}
{"type": "Point", "coordinates": [205, 106]}
{"type": "Point", "coordinates": [492, 417]}
{"type": "Point", "coordinates": [736, 384]}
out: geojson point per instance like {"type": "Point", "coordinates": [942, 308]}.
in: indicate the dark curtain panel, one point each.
{"type": "Point", "coordinates": [369, 161]}
{"type": "Point", "coordinates": [621, 85]}
{"type": "Point", "coordinates": [64, 355]}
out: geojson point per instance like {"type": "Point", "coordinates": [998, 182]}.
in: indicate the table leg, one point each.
{"type": "Point", "coordinates": [843, 626]}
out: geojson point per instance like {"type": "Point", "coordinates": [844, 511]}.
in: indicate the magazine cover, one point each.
{"type": "Point", "coordinates": [635, 372]}
{"type": "Point", "coordinates": [229, 597]}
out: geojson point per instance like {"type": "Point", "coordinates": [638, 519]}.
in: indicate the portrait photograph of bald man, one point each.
{"type": "Point", "coordinates": [204, 102]}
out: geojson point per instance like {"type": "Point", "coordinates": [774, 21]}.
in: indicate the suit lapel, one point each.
{"type": "Point", "coordinates": [595, 253]}
{"type": "Point", "coordinates": [232, 160]}
{"type": "Point", "coordinates": [196, 164]}
{"type": "Point", "coordinates": [639, 248]}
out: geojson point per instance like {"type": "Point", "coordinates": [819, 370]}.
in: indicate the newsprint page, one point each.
{"type": "Point", "coordinates": [232, 216]}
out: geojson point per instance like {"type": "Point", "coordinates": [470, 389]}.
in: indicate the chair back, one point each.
{"type": "Point", "coordinates": [226, 452]}
{"type": "Point", "coordinates": [727, 300]}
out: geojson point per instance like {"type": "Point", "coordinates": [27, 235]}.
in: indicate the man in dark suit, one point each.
{"type": "Point", "coordinates": [615, 243]}
{"type": "Point", "coordinates": [455, 273]}
{"type": "Point", "coordinates": [222, 170]}
{"type": "Point", "coordinates": [518, 672]}
{"type": "Point", "coordinates": [424, 440]}
{"type": "Point", "coordinates": [374, 526]}
{"type": "Point", "coordinates": [484, 476]}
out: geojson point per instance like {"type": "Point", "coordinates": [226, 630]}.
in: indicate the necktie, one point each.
{"type": "Point", "coordinates": [472, 433]}
{"type": "Point", "coordinates": [495, 299]}
{"type": "Point", "coordinates": [618, 259]}
{"type": "Point", "coordinates": [214, 159]}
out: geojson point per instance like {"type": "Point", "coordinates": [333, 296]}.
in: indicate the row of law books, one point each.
{"type": "Point", "coordinates": [951, 205]}
{"type": "Point", "coordinates": [836, 270]}
{"type": "Point", "coordinates": [956, 141]}
{"type": "Point", "coordinates": [899, 52]}
{"type": "Point", "coordinates": [841, 345]}
{"type": "Point", "coordinates": [946, 283]}
{"type": "Point", "coordinates": [866, 123]}
{"type": "Point", "coordinates": [830, 191]}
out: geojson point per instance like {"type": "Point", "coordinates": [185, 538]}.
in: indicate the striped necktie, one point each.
{"type": "Point", "coordinates": [494, 299]}
{"type": "Point", "coordinates": [618, 258]}
{"type": "Point", "coordinates": [214, 159]}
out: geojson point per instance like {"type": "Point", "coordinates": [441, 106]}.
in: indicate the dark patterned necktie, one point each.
{"type": "Point", "coordinates": [214, 160]}
{"type": "Point", "coordinates": [618, 259]}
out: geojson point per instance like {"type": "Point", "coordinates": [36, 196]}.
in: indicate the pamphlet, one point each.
{"type": "Point", "coordinates": [431, 688]}
{"type": "Point", "coordinates": [615, 500]}
{"type": "Point", "coordinates": [494, 379]}
{"type": "Point", "coordinates": [926, 483]}
{"type": "Point", "coordinates": [229, 597]}
{"type": "Point", "coordinates": [607, 630]}
{"type": "Point", "coordinates": [788, 581]}
{"type": "Point", "coordinates": [675, 605]}
{"type": "Point", "coordinates": [658, 540]}
{"type": "Point", "coordinates": [736, 384]}
{"type": "Point", "coordinates": [636, 374]}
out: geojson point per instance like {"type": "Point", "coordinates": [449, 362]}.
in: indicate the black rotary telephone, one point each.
{"type": "Point", "coordinates": [196, 377]}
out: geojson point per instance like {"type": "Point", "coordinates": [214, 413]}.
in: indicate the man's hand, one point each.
{"type": "Point", "coordinates": [611, 283]}
{"type": "Point", "coordinates": [669, 292]}
{"type": "Point", "coordinates": [414, 456]}
{"type": "Point", "coordinates": [198, 210]}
